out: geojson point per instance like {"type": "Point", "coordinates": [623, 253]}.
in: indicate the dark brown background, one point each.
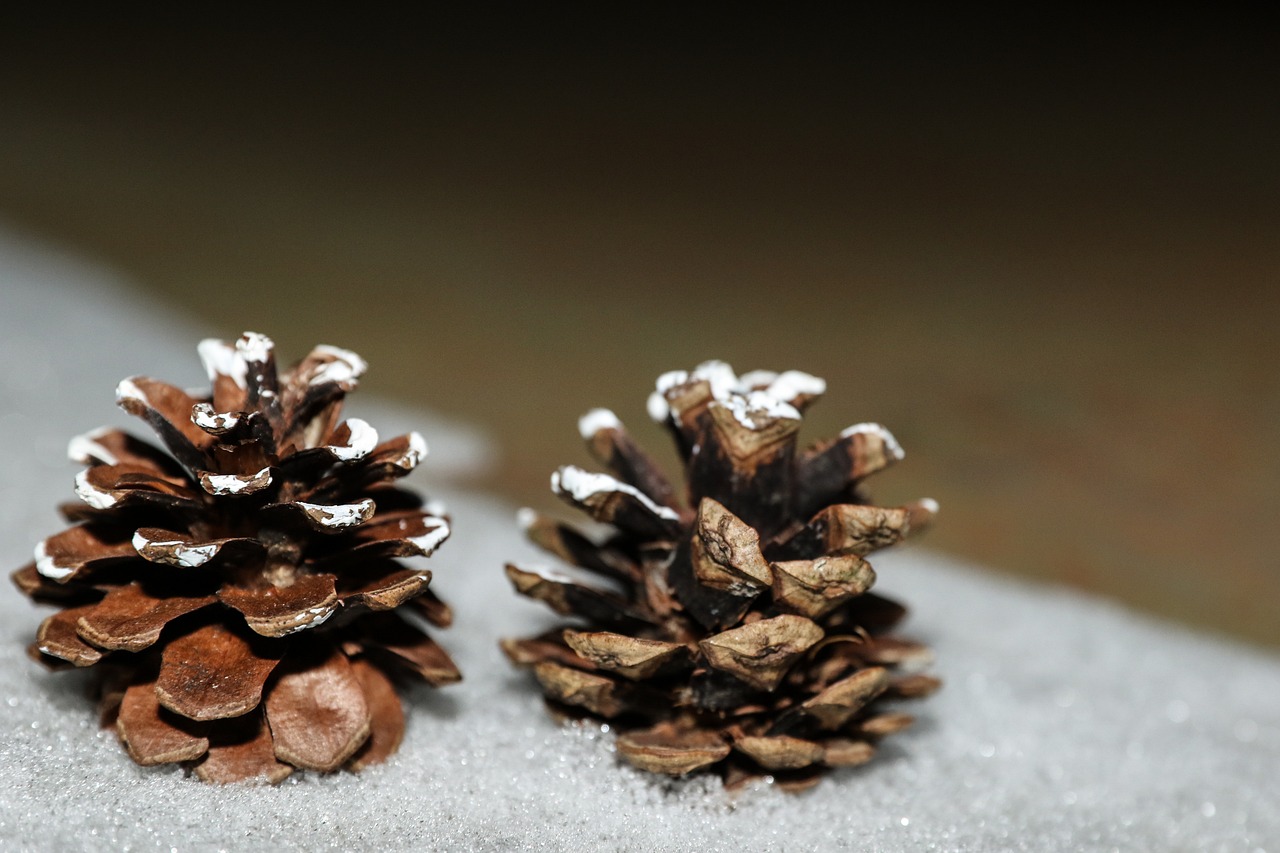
{"type": "Point", "coordinates": [1043, 251]}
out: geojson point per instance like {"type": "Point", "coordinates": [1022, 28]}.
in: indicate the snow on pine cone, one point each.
{"type": "Point", "coordinates": [735, 631]}
{"type": "Point", "coordinates": [242, 592]}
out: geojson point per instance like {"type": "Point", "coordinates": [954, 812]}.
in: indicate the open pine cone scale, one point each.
{"type": "Point", "coordinates": [735, 632]}
{"type": "Point", "coordinates": [242, 591]}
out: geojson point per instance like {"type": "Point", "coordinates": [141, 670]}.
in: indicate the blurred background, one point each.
{"type": "Point", "coordinates": [1042, 250]}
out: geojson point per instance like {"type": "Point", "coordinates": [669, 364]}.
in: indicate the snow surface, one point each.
{"type": "Point", "coordinates": [1066, 722]}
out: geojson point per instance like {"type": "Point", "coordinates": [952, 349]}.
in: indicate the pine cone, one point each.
{"type": "Point", "coordinates": [242, 592]}
{"type": "Point", "coordinates": [738, 634]}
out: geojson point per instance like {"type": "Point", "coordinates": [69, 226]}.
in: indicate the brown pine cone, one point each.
{"type": "Point", "coordinates": [242, 593]}
{"type": "Point", "coordinates": [737, 632]}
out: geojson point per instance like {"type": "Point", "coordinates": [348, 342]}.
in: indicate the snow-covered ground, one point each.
{"type": "Point", "coordinates": [1066, 723]}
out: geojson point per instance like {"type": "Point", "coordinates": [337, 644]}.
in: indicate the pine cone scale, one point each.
{"type": "Point", "coordinates": [387, 592]}
{"type": "Point", "coordinates": [108, 447]}
{"type": "Point", "coordinates": [277, 611]}
{"type": "Point", "coordinates": [565, 596]}
{"type": "Point", "coordinates": [151, 736]}
{"type": "Point", "coordinates": [781, 752]}
{"type": "Point", "coordinates": [317, 711]}
{"type": "Point", "coordinates": [548, 647]}
{"type": "Point", "coordinates": [167, 410]}
{"type": "Point", "coordinates": [610, 501]}
{"type": "Point", "coordinates": [633, 658]}
{"type": "Point", "coordinates": [432, 609]}
{"type": "Point", "coordinates": [713, 606]}
{"type": "Point", "coordinates": [80, 551]}
{"type": "Point", "coordinates": [842, 752]}
{"type": "Point", "coordinates": [129, 619]}
{"type": "Point", "coordinates": [185, 551]}
{"type": "Point", "coordinates": [614, 449]}
{"type": "Point", "coordinates": [386, 717]}
{"type": "Point", "coordinates": [242, 751]}
{"type": "Point", "coordinates": [885, 724]}
{"type": "Point", "coordinates": [666, 748]}
{"type": "Point", "coordinates": [827, 470]}
{"type": "Point", "coordinates": [126, 484]}
{"type": "Point", "coordinates": [213, 673]}
{"type": "Point", "coordinates": [394, 534]}
{"type": "Point", "coordinates": [577, 550]}
{"type": "Point", "coordinates": [814, 588]}
{"type": "Point", "coordinates": [593, 691]}
{"type": "Point", "coordinates": [760, 653]}
{"type": "Point", "coordinates": [407, 648]}
{"type": "Point", "coordinates": [58, 638]}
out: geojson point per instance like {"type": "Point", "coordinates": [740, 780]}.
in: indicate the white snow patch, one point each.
{"type": "Point", "coordinates": [127, 390]}
{"type": "Point", "coordinates": [794, 383]}
{"type": "Point", "coordinates": [204, 416]}
{"type": "Point", "coordinates": [417, 450]}
{"type": "Point", "coordinates": [671, 379]}
{"type": "Point", "coordinates": [222, 359]}
{"type": "Point", "coordinates": [234, 484]}
{"type": "Point", "coordinates": [254, 347]}
{"type": "Point", "coordinates": [339, 516]}
{"type": "Point", "coordinates": [719, 375]}
{"type": "Point", "coordinates": [526, 517]}
{"type": "Point", "coordinates": [758, 409]}
{"type": "Point", "coordinates": [547, 573]}
{"type": "Point", "coordinates": [310, 618]}
{"type": "Point", "coordinates": [345, 367]}
{"type": "Point", "coordinates": [581, 485]}
{"type": "Point", "coordinates": [46, 566]}
{"type": "Point", "coordinates": [891, 444]}
{"type": "Point", "coordinates": [187, 556]}
{"type": "Point", "coordinates": [595, 420]}
{"type": "Point", "coordinates": [659, 410]}
{"type": "Point", "coordinates": [726, 387]}
{"type": "Point", "coordinates": [362, 440]}
{"type": "Point", "coordinates": [91, 494]}
{"type": "Point", "coordinates": [431, 540]}
{"type": "Point", "coordinates": [86, 448]}
{"type": "Point", "coordinates": [754, 379]}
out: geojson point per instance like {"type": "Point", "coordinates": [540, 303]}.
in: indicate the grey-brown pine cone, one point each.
{"type": "Point", "coordinates": [241, 589]}
{"type": "Point", "coordinates": [732, 628]}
